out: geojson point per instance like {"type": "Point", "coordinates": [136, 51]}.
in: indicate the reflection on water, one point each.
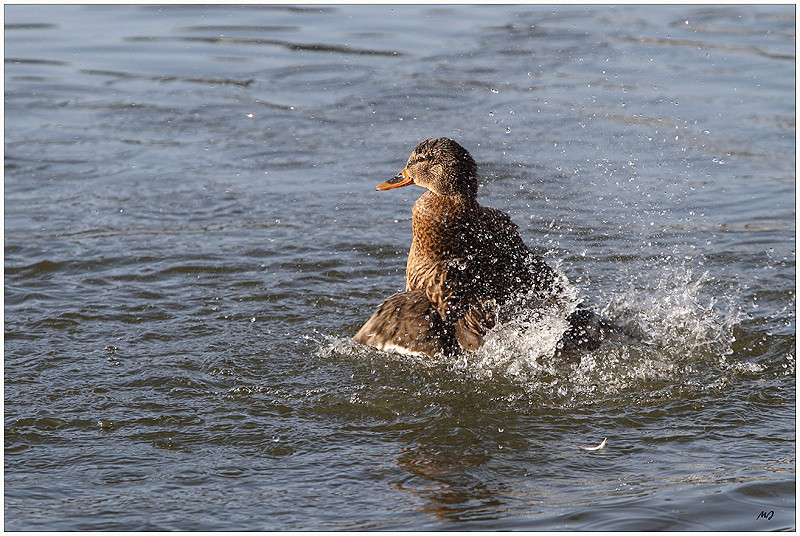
{"type": "Point", "coordinates": [450, 493]}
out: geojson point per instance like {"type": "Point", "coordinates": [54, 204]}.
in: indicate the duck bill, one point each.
{"type": "Point", "coordinates": [401, 179]}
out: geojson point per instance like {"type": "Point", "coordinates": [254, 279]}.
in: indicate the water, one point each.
{"type": "Point", "coordinates": [192, 236]}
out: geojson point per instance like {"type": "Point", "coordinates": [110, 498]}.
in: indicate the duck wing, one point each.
{"type": "Point", "coordinates": [485, 265]}
{"type": "Point", "coordinates": [408, 323]}
{"type": "Point", "coordinates": [513, 267]}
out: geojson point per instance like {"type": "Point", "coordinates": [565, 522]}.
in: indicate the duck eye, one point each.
{"type": "Point", "coordinates": [420, 158]}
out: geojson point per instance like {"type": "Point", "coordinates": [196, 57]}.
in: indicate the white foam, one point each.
{"type": "Point", "coordinates": [681, 325]}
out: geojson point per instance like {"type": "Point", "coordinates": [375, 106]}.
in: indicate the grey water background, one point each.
{"type": "Point", "coordinates": [192, 236]}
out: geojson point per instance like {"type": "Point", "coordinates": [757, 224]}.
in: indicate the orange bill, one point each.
{"type": "Point", "coordinates": [401, 179]}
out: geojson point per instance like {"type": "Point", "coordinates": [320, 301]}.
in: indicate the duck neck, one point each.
{"type": "Point", "coordinates": [438, 221]}
{"type": "Point", "coordinates": [438, 205]}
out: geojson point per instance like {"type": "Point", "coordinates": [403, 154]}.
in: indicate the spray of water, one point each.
{"type": "Point", "coordinates": [675, 329]}
{"type": "Point", "coordinates": [676, 316]}
{"type": "Point", "coordinates": [680, 336]}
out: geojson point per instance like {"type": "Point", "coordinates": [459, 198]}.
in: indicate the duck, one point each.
{"type": "Point", "coordinates": [468, 268]}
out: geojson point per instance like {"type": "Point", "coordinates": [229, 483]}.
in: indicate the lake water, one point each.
{"type": "Point", "coordinates": [192, 235]}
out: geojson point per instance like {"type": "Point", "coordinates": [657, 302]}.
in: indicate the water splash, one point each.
{"type": "Point", "coordinates": [679, 334]}
{"type": "Point", "coordinates": [676, 316]}
{"type": "Point", "coordinates": [682, 338]}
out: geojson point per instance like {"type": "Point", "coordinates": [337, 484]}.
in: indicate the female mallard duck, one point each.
{"type": "Point", "coordinates": [467, 268]}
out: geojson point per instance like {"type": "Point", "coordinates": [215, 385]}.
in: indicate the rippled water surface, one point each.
{"type": "Point", "coordinates": [192, 236]}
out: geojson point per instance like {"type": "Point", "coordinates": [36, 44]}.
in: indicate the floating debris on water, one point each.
{"type": "Point", "coordinates": [105, 424]}
{"type": "Point", "coordinates": [598, 447]}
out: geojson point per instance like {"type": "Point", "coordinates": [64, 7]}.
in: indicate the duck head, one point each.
{"type": "Point", "coordinates": [440, 165]}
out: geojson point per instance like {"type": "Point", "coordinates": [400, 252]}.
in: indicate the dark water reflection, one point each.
{"type": "Point", "coordinates": [192, 235]}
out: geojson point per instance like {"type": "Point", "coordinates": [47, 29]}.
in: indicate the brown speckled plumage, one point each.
{"type": "Point", "coordinates": [467, 263]}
